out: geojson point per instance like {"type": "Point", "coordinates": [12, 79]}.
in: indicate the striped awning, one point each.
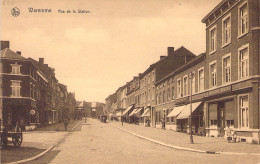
{"type": "Point", "coordinates": [185, 113]}
{"type": "Point", "coordinates": [146, 113]}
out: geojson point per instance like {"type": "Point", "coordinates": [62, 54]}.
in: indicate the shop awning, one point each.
{"type": "Point", "coordinates": [118, 114]}
{"type": "Point", "coordinates": [133, 112]}
{"type": "Point", "coordinates": [127, 110]}
{"type": "Point", "coordinates": [186, 111]}
{"type": "Point", "coordinates": [176, 110]}
{"type": "Point", "coordinates": [146, 113]}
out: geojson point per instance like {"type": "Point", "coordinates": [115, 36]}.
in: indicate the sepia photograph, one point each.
{"type": "Point", "coordinates": [130, 81]}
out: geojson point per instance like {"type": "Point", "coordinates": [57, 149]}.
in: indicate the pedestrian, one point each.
{"type": "Point", "coordinates": [122, 120]}
{"type": "Point", "coordinates": [65, 124]}
{"type": "Point", "coordinates": [163, 123]}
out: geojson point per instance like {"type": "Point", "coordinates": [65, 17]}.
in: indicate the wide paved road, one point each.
{"type": "Point", "coordinates": [101, 143]}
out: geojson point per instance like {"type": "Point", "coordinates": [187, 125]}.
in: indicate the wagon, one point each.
{"type": "Point", "coordinates": [15, 137]}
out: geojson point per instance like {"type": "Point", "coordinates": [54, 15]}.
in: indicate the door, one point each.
{"type": "Point", "coordinates": [221, 118]}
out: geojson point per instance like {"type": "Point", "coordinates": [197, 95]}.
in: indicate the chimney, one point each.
{"type": "Point", "coordinates": [5, 44]}
{"type": "Point", "coordinates": [19, 52]}
{"type": "Point", "coordinates": [41, 60]}
{"type": "Point", "coordinates": [161, 57]}
{"type": "Point", "coordinates": [170, 50]}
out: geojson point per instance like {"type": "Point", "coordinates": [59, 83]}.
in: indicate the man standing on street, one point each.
{"type": "Point", "coordinates": [122, 120]}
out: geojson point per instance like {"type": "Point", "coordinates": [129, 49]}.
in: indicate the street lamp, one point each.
{"type": "Point", "coordinates": [191, 76]}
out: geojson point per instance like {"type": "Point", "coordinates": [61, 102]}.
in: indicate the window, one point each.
{"type": "Point", "coordinates": [164, 96]}
{"type": "Point", "coordinates": [15, 68]}
{"type": "Point", "coordinates": [226, 30]}
{"type": "Point", "coordinates": [230, 123]}
{"type": "Point", "coordinates": [193, 83]}
{"type": "Point", "coordinates": [213, 73]}
{"type": "Point", "coordinates": [16, 88]}
{"type": "Point", "coordinates": [213, 123]}
{"type": "Point", "coordinates": [179, 88]}
{"type": "Point", "coordinates": [243, 63]}
{"type": "Point", "coordinates": [149, 94]}
{"type": "Point", "coordinates": [160, 97]}
{"type": "Point", "coordinates": [244, 112]}
{"type": "Point", "coordinates": [226, 70]}
{"type": "Point", "coordinates": [168, 94]}
{"type": "Point", "coordinates": [172, 92]}
{"type": "Point", "coordinates": [185, 86]}
{"type": "Point", "coordinates": [213, 40]}
{"type": "Point", "coordinates": [153, 77]}
{"type": "Point", "coordinates": [243, 19]}
{"type": "Point", "coordinates": [201, 80]}
{"type": "Point", "coordinates": [152, 93]}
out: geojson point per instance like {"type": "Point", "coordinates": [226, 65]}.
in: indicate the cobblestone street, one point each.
{"type": "Point", "coordinates": [102, 143]}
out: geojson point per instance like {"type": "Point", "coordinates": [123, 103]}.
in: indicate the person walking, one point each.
{"type": "Point", "coordinates": [163, 123]}
{"type": "Point", "coordinates": [65, 124]}
{"type": "Point", "coordinates": [122, 120]}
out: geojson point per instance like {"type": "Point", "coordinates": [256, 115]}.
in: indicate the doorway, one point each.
{"type": "Point", "coordinates": [221, 118]}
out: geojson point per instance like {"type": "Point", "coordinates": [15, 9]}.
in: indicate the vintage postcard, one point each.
{"type": "Point", "coordinates": [130, 81]}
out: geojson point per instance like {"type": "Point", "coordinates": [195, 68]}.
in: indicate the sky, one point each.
{"type": "Point", "coordinates": [96, 52]}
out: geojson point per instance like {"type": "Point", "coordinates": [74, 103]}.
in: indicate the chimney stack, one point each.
{"type": "Point", "coordinates": [19, 52]}
{"type": "Point", "coordinates": [170, 50]}
{"type": "Point", "coordinates": [41, 60]}
{"type": "Point", "coordinates": [161, 57]}
{"type": "Point", "coordinates": [5, 44]}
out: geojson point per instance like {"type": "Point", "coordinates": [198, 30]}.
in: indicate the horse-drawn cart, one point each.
{"type": "Point", "coordinates": [15, 137]}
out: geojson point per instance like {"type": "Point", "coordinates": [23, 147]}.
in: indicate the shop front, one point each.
{"type": "Point", "coordinates": [17, 111]}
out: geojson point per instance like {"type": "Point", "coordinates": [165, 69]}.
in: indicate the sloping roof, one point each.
{"type": "Point", "coordinates": [212, 11]}
{"type": "Point", "coordinates": [47, 71]}
{"type": "Point", "coordinates": [9, 54]}
{"type": "Point", "coordinates": [78, 103]}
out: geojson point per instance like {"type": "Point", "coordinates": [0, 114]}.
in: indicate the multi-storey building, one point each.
{"type": "Point", "coordinates": [23, 90]}
{"type": "Point", "coordinates": [163, 68]}
{"type": "Point", "coordinates": [173, 96]}
{"type": "Point", "coordinates": [52, 106]}
{"type": "Point", "coordinates": [233, 69]}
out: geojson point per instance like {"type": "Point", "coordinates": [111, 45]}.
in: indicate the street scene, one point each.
{"type": "Point", "coordinates": [99, 142]}
{"type": "Point", "coordinates": [174, 81]}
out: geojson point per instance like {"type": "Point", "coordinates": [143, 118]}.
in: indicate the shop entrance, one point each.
{"type": "Point", "coordinates": [221, 118]}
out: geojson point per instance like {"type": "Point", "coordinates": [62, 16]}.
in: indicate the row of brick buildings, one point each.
{"type": "Point", "coordinates": [30, 92]}
{"type": "Point", "coordinates": [223, 82]}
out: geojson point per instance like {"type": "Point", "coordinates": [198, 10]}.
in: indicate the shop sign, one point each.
{"type": "Point", "coordinates": [220, 90]}
{"type": "Point", "coordinates": [242, 85]}
{"type": "Point", "coordinates": [32, 112]}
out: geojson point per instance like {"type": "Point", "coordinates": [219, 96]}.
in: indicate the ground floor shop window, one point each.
{"type": "Point", "coordinates": [230, 123]}
{"type": "Point", "coordinates": [213, 123]}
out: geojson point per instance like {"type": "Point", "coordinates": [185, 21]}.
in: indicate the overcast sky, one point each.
{"type": "Point", "coordinates": [95, 53]}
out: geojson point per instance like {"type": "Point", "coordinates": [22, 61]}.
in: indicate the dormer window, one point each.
{"type": "Point", "coordinates": [15, 68]}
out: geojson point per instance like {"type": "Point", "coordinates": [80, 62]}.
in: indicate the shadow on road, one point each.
{"type": "Point", "coordinates": [11, 153]}
{"type": "Point", "coordinates": [47, 158]}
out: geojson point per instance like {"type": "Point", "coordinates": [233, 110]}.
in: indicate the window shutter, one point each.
{"type": "Point", "coordinates": [229, 110]}
{"type": "Point", "coordinates": [213, 110]}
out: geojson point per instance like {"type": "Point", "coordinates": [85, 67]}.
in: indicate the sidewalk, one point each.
{"type": "Point", "coordinates": [36, 142]}
{"type": "Point", "coordinates": [183, 140]}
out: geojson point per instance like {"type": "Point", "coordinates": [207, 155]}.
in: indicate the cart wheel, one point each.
{"type": "Point", "coordinates": [17, 140]}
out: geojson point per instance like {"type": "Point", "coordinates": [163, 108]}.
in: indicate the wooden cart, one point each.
{"type": "Point", "coordinates": [15, 137]}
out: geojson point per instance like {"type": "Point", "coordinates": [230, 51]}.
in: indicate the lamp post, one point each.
{"type": "Point", "coordinates": [191, 76]}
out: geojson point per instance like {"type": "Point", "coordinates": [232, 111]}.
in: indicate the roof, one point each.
{"type": "Point", "coordinates": [47, 71]}
{"type": "Point", "coordinates": [212, 11]}
{"type": "Point", "coordinates": [9, 54]}
{"type": "Point", "coordinates": [190, 63]}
